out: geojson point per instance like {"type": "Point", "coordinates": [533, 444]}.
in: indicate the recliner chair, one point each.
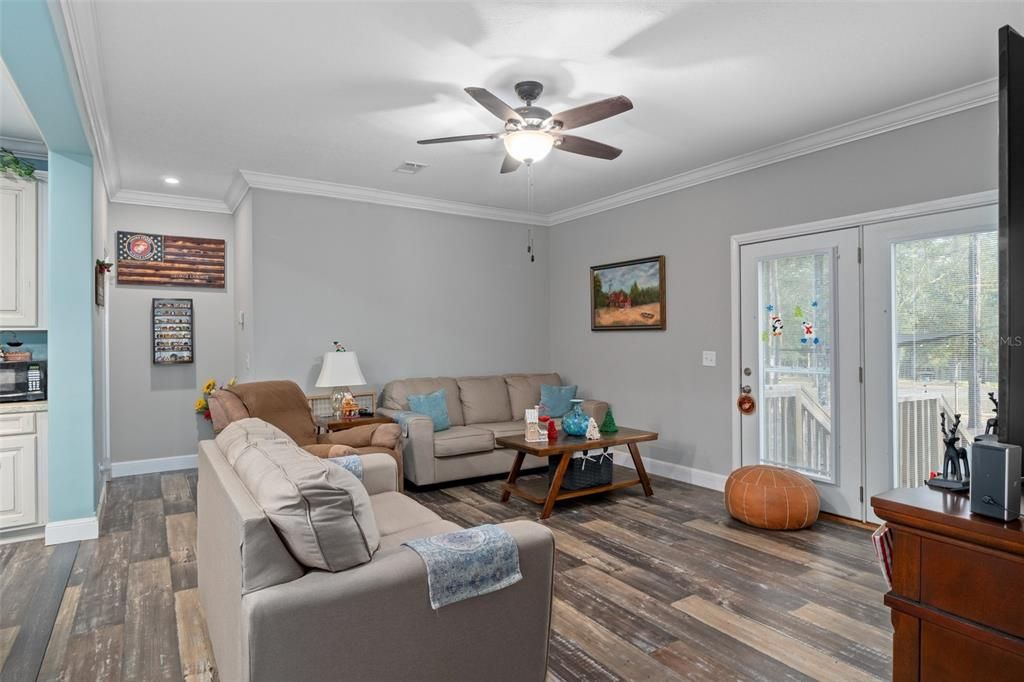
{"type": "Point", "coordinates": [283, 404]}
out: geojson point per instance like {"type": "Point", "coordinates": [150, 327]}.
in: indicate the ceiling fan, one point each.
{"type": "Point", "coordinates": [531, 132]}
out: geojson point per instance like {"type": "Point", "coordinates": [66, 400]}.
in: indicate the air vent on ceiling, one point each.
{"type": "Point", "coordinates": [410, 167]}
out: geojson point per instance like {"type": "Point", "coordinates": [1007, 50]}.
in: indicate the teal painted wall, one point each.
{"type": "Point", "coordinates": [34, 59]}
{"type": "Point", "coordinates": [70, 339]}
{"type": "Point", "coordinates": [32, 54]}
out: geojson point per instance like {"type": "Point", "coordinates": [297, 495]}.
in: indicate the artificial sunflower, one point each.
{"type": "Point", "coordinates": [209, 386]}
{"type": "Point", "coordinates": [200, 405]}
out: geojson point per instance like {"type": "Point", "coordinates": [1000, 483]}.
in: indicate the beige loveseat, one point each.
{"type": "Point", "coordinates": [270, 618]}
{"type": "Point", "coordinates": [479, 410]}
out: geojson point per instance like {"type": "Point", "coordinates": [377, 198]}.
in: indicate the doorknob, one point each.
{"type": "Point", "coordinates": [745, 388]}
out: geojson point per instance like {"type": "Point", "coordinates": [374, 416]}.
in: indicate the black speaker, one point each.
{"type": "Point", "coordinates": [995, 480]}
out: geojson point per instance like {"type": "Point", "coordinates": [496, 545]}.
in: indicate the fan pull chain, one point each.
{"type": "Point", "coordinates": [529, 210]}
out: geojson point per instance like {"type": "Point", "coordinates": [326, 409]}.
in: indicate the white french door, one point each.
{"type": "Point", "coordinates": [931, 297]}
{"type": "Point", "coordinates": [800, 358]}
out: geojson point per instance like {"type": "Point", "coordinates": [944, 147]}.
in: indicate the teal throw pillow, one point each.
{"type": "Point", "coordinates": [434, 405]}
{"type": "Point", "coordinates": [555, 400]}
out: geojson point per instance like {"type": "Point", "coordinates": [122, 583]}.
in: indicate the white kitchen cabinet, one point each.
{"type": "Point", "coordinates": [18, 480]}
{"type": "Point", "coordinates": [19, 244]}
{"type": "Point", "coordinates": [22, 470]}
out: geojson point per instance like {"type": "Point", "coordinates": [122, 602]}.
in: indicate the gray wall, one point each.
{"type": "Point", "coordinates": [243, 282]}
{"type": "Point", "coordinates": [151, 406]}
{"type": "Point", "coordinates": [655, 379]}
{"type": "Point", "coordinates": [414, 293]}
{"type": "Point", "coordinates": [419, 293]}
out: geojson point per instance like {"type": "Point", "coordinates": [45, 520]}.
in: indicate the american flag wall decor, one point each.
{"type": "Point", "coordinates": [163, 260]}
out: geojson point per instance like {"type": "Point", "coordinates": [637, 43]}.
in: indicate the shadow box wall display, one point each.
{"type": "Point", "coordinates": [173, 335]}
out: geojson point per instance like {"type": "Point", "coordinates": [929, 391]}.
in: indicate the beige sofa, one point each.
{"type": "Point", "coordinates": [269, 618]}
{"type": "Point", "coordinates": [479, 410]}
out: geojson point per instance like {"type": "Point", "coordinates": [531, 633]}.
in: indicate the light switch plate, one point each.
{"type": "Point", "coordinates": [709, 358]}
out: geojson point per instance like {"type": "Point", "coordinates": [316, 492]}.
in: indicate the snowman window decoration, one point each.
{"type": "Point", "coordinates": [809, 335]}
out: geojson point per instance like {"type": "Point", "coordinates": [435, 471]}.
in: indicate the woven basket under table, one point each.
{"type": "Point", "coordinates": [589, 471]}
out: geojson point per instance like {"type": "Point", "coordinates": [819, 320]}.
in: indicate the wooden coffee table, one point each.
{"type": "Point", "coordinates": [538, 492]}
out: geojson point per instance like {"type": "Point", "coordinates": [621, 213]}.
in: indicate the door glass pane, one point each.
{"type": "Point", "coordinates": [946, 344]}
{"type": "Point", "coordinates": [795, 295]}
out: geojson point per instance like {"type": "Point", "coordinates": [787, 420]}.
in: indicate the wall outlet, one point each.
{"type": "Point", "coordinates": [709, 358]}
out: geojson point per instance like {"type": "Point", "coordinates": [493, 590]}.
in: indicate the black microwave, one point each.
{"type": "Point", "coordinates": [22, 381]}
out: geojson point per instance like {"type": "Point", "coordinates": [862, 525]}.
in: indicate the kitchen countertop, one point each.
{"type": "Point", "coordinates": [16, 408]}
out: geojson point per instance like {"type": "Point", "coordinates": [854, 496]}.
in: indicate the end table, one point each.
{"type": "Point", "coordinates": [336, 423]}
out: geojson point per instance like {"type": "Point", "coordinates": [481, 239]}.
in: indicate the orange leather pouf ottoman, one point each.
{"type": "Point", "coordinates": [771, 497]}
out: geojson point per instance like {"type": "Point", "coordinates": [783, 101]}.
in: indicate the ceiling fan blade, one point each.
{"type": "Point", "coordinates": [581, 145]}
{"type": "Point", "coordinates": [510, 164]}
{"type": "Point", "coordinates": [591, 113]}
{"type": "Point", "coordinates": [491, 103]}
{"type": "Point", "coordinates": [459, 138]}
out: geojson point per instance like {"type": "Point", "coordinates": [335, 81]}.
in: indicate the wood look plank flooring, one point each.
{"type": "Point", "coordinates": [661, 588]}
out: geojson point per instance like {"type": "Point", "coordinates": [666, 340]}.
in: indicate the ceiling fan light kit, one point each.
{"type": "Point", "coordinates": [528, 146]}
{"type": "Point", "coordinates": [531, 132]}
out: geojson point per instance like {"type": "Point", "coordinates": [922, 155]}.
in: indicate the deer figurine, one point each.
{"type": "Point", "coordinates": [955, 466]}
{"type": "Point", "coordinates": [992, 425]}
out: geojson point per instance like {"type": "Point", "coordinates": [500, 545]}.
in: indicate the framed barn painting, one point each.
{"type": "Point", "coordinates": [628, 295]}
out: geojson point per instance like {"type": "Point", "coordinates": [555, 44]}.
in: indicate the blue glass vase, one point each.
{"type": "Point", "coordinates": [575, 421]}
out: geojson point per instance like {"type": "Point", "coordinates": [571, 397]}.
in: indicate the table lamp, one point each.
{"type": "Point", "coordinates": [340, 371]}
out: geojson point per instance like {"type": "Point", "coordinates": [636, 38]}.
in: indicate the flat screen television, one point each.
{"type": "Point", "coordinates": [1011, 236]}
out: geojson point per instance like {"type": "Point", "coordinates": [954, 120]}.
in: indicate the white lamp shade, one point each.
{"type": "Point", "coordinates": [340, 369]}
{"type": "Point", "coordinates": [528, 145]}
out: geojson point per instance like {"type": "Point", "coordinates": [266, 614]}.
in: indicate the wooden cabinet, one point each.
{"type": "Point", "coordinates": [19, 266]}
{"type": "Point", "coordinates": [957, 600]}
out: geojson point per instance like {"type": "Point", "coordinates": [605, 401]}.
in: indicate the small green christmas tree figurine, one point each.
{"type": "Point", "coordinates": [608, 425]}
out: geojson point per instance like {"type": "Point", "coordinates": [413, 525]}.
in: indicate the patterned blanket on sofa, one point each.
{"type": "Point", "coordinates": [468, 563]}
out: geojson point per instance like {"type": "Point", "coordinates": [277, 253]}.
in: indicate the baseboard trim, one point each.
{"type": "Point", "coordinates": [677, 472]}
{"type": "Point", "coordinates": [72, 530]}
{"type": "Point", "coordinates": [153, 466]}
{"type": "Point", "coordinates": [21, 535]}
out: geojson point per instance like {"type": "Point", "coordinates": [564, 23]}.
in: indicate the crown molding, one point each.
{"type": "Point", "coordinates": [951, 102]}
{"type": "Point", "coordinates": [78, 19]}
{"type": "Point", "coordinates": [236, 192]}
{"type": "Point", "coordinates": [26, 149]}
{"type": "Point", "coordinates": [322, 188]}
{"type": "Point", "coordinates": [954, 101]}
{"type": "Point", "coordinates": [130, 196]}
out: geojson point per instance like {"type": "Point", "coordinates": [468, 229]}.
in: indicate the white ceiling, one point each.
{"type": "Point", "coordinates": [15, 121]}
{"type": "Point", "coordinates": [341, 91]}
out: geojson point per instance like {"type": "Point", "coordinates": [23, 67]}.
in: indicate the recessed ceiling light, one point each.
{"type": "Point", "coordinates": [171, 180]}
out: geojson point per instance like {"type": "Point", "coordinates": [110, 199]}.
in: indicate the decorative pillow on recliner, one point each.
{"type": "Point", "coordinates": [433, 405]}
{"type": "Point", "coordinates": [555, 401]}
{"type": "Point", "coordinates": [321, 511]}
{"type": "Point", "coordinates": [248, 430]}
